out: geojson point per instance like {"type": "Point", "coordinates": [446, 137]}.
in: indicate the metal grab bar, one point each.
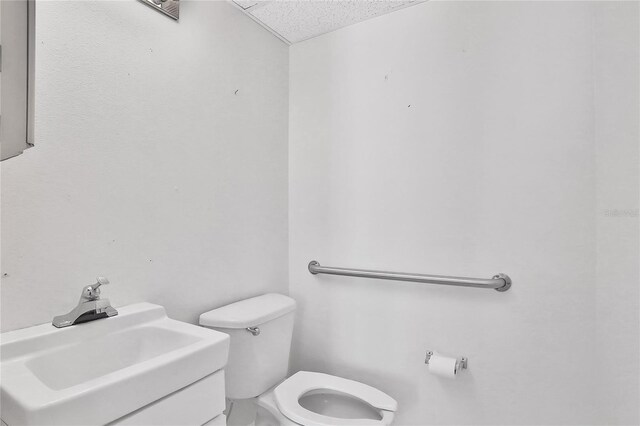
{"type": "Point", "coordinates": [499, 282]}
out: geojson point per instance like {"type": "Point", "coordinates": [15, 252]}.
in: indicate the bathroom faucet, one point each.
{"type": "Point", "coordinates": [90, 307]}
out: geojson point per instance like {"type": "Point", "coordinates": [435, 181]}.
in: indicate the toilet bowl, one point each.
{"type": "Point", "coordinates": [261, 330]}
{"type": "Point", "coordinates": [317, 399]}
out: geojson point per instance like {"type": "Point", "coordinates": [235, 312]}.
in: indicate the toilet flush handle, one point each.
{"type": "Point", "coordinates": [253, 330]}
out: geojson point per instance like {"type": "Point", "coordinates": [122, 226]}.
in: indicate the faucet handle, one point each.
{"type": "Point", "coordinates": [92, 292]}
{"type": "Point", "coordinates": [100, 281]}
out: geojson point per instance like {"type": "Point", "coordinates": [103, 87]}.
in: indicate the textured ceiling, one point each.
{"type": "Point", "coordinates": [297, 20]}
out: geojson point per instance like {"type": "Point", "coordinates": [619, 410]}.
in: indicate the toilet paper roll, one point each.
{"type": "Point", "coordinates": [443, 366]}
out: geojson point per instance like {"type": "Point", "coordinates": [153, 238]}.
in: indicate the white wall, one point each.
{"type": "Point", "coordinates": [149, 168]}
{"type": "Point", "coordinates": [617, 136]}
{"type": "Point", "coordinates": [460, 138]}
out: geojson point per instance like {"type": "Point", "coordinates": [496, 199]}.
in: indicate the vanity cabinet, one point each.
{"type": "Point", "coordinates": [17, 48]}
{"type": "Point", "coordinates": [199, 403]}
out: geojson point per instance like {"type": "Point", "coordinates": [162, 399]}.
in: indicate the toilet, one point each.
{"type": "Point", "coordinates": [261, 329]}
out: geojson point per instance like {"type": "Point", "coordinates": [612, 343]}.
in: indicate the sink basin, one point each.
{"type": "Point", "coordinates": [100, 371]}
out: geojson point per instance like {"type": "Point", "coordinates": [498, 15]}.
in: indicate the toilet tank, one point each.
{"type": "Point", "coordinates": [260, 330]}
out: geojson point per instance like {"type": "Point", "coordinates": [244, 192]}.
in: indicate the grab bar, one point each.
{"type": "Point", "coordinates": [499, 282]}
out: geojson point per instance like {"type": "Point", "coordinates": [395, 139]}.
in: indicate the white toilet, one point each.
{"type": "Point", "coordinates": [261, 330]}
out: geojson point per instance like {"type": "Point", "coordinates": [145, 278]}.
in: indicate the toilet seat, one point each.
{"type": "Point", "coordinates": [288, 393]}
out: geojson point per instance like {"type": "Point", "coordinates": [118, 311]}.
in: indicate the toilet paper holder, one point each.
{"type": "Point", "coordinates": [461, 363]}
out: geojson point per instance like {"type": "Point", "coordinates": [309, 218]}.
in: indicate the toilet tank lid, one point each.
{"type": "Point", "coordinates": [249, 312]}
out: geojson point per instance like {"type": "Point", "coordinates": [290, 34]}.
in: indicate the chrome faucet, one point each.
{"type": "Point", "coordinates": [90, 307]}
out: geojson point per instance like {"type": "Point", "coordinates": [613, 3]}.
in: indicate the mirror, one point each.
{"type": "Point", "coordinates": [17, 48]}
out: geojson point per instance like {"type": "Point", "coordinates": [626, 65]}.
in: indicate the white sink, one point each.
{"type": "Point", "coordinates": [97, 372]}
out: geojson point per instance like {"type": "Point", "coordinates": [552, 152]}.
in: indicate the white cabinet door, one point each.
{"type": "Point", "coordinates": [17, 19]}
